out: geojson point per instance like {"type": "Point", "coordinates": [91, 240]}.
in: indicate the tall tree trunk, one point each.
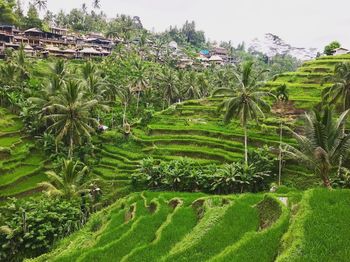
{"type": "Point", "coordinates": [138, 101]}
{"type": "Point", "coordinates": [70, 151]}
{"type": "Point", "coordinates": [342, 135]}
{"type": "Point", "coordinates": [280, 156]}
{"type": "Point", "coordinates": [327, 183]}
{"type": "Point", "coordinates": [124, 114]}
{"type": "Point", "coordinates": [245, 145]}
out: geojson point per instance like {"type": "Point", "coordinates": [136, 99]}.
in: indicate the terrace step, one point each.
{"type": "Point", "coordinates": [197, 152]}
{"type": "Point", "coordinates": [142, 231]}
{"type": "Point", "coordinates": [240, 217]}
{"type": "Point", "coordinates": [19, 174]}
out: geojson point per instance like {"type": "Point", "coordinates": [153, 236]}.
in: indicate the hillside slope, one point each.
{"type": "Point", "coordinates": [195, 129]}
{"type": "Point", "coordinates": [191, 227]}
{"type": "Point", "coordinates": [21, 165]}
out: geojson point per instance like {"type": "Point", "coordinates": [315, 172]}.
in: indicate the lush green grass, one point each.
{"type": "Point", "coordinates": [8, 141]}
{"type": "Point", "coordinates": [259, 246]}
{"type": "Point", "coordinates": [239, 218]}
{"type": "Point", "coordinates": [182, 220]}
{"type": "Point", "coordinates": [14, 175]}
{"type": "Point", "coordinates": [215, 228]}
{"type": "Point", "coordinates": [320, 231]}
{"type": "Point", "coordinates": [27, 185]}
{"type": "Point", "coordinates": [21, 168]}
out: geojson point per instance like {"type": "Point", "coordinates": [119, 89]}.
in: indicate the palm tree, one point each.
{"type": "Point", "coordinates": [88, 69]}
{"type": "Point", "coordinates": [70, 112]}
{"type": "Point", "coordinates": [282, 93]}
{"type": "Point", "coordinates": [158, 47]}
{"type": "Point", "coordinates": [339, 91]}
{"type": "Point", "coordinates": [124, 95]}
{"type": "Point", "coordinates": [95, 87]}
{"type": "Point", "coordinates": [244, 100]}
{"type": "Point", "coordinates": [139, 81]}
{"type": "Point", "coordinates": [323, 143]}
{"type": "Point", "coordinates": [59, 68]}
{"type": "Point", "coordinates": [283, 97]}
{"type": "Point", "coordinates": [169, 83]}
{"type": "Point", "coordinates": [192, 89]}
{"type": "Point", "coordinates": [96, 4]}
{"type": "Point", "coordinates": [68, 183]}
{"type": "Point", "coordinates": [21, 63]}
{"type": "Point", "coordinates": [41, 4]}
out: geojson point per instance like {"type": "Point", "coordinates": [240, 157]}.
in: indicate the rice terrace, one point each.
{"type": "Point", "coordinates": [123, 138]}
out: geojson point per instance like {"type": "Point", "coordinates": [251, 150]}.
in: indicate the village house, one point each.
{"type": "Point", "coordinates": [57, 42]}
{"type": "Point", "coordinates": [219, 51]}
{"type": "Point", "coordinates": [341, 51]}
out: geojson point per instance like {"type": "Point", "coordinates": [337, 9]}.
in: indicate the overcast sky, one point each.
{"type": "Point", "coordinates": [302, 23]}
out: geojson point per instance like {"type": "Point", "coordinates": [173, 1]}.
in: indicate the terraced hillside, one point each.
{"type": "Point", "coordinates": [192, 227]}
{"type": "Point", "coordinates": [304, 85]}
{"type": "Point", "coordinates": [21, 166]}
{"type": "Point", "coordinates": [194, 129]}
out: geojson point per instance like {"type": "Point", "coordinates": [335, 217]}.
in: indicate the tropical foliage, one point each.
{"type": "Point", "coordinates": [245, 101]}
{"type": "Point", "coordinates": [187, 175]}
{"type": "Point", "coordinates": [323, 144]}
{"type": "Point", "coordinates": [30, 227]}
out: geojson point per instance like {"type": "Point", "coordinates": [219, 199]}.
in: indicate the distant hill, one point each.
{"type": "Point", "coordinates": [272, 45]}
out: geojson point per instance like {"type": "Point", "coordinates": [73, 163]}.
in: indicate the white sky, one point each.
{"type": "Point", "coordinates": [302, 23]}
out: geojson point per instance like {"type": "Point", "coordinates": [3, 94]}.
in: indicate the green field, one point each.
{"type": "Point", "coordinates": [193, 227]}
{"type": "Point", "coordinates": [21, 165]}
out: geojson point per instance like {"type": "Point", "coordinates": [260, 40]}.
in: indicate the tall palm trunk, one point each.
{"type": "Point", "coordinates": [280, 156]}
{"type": "Point", "coordinates": [245, 145]}
{"type": "Point", "coordinates": [342, 135]}
{"type": "Point", "coordinates": [138, 101]}
{"type": "Point", "coordinates": [324, 173]}
{"type": "Point", "coordinates": [124, 113]}
{"type": "Point", "coordinates": [71, 145]}
{"type": "Point", "coordinates": [327, 183]}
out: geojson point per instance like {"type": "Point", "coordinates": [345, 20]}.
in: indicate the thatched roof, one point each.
{"type": "Point", "coordinates": [89, 50]}
{"type": "Point", "coordinates": [215, 58]}
{"type": "Point", "coordinates": [52, 48]}
{"type": "Point", "coordinates": [33, 30]}
{"type": "Point", "coordinates": [28, 47]}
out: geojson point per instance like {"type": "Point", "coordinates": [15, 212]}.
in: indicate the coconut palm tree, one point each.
{"type": "Point", "coordinates": [95, 87]}
{"type": "Point", "coordinates": [283, 97]}
{"type": "Point", "coordinates": [323, 143]}
{"type": "Point", "coordinates": [96, 4]}
{"type": "Point", "coordinates": [139, 80]}
{"type": "Point", "coordinates": [339, 91]}
{"type": "Point", "coordinates": [124, 95]}
{"type": "Point", "coordinates": [59, 68]}
{"type": "Point", "coordinates": [41, 4]}
{"type": "Point", "coordinates": [70, 112]}
{"type": "Point", "coordinates": [282, 93]}
{"type": "Point", "coordinates": [192, 90]}
{"type": "Point", "coordinates": [68, 183]}
{"type": "Point", "coordinates": [244, 100]}
{"type": "Point", "coordinates": [169, 84]}
{"type": "Point", "coordinates": [88, 69]}
{"type": "Point", "coordinates": [21, 63]}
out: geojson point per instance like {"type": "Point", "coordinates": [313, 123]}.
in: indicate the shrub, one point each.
{"type": "Point", "coordinates": [29, 228]}
{"type": "Point", "coordinates": [343, 180]}
{"type": "Point", "coordinates": [329, 49]}
{"type": "Point", "coordinates": [188, 175]}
